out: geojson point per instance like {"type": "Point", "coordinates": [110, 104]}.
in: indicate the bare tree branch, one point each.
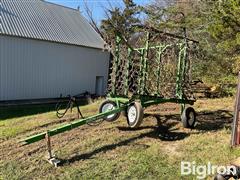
{"type": "Point", "coordinates": [93, 22]}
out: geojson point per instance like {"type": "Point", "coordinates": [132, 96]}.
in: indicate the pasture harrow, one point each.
{"type": "Point", "coordinates": [148, 69]}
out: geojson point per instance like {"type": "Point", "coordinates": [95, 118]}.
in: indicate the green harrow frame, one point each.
{"type": "Point", "coordinates": [132, 106]}
{"type": "Point", "coordinates": [123, 103]}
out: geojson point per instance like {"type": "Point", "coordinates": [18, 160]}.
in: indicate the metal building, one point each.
{"type": "Point", "coordinates": [47, 50]}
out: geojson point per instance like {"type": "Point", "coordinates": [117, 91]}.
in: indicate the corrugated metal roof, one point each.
{"type": "Point", "coordinates": [42, 20]}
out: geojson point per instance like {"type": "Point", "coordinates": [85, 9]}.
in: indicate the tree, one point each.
{"type": "Point", "coordinates": [91, 19]}
{"type": "Point", "coordinates": [122, 21]}
{"type": "Point", "coordinates": [215, 24]}
{"type": "Point", "coordinates": [225, 26]}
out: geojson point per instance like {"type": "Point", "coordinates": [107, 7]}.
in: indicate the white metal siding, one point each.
{"type": "Point", "coordinates": [32, 69]}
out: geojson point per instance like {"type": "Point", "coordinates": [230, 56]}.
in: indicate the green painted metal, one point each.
{"type": "Point", "coordinates": [181, 70]}
{"type": "Point", "coordinates": [122, 105]}
{"type": "Point", "coordinates": [140, 77]}
{"type": "Point", "coordinates": [145, 65]}
{"type": "Point", "coordinates": [154, 101]}
{"type": "Point", "coordinates": [119, 100]}
{"type": "Point", "coordinates": [158, 73]}
{"type": "Point", "coordinates": [127, 71]}
{"type": "Point", "coordinates": [151, 47]}
{"type": "Point", "coordinates": [116, 63]}
{"type": "Point", "coordinates": [150, 100]}
{"type": "Point", "coordinates": [70, 126]}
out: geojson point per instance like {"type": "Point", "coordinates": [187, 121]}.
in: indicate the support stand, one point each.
{"type": "Point", "coordinates": [235, 138]}
{"type": "Point", "coordinates": [50, 157]}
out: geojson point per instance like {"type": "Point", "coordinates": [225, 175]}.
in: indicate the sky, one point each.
{"type": "Point", "coordinates": [95, 5]}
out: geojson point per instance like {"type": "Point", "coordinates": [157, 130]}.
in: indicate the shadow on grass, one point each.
{"type": "Point", "coordinates": [18, 111]}
{"type": "Point", "coordinates": [157, 132]}
{"type": "Point", "coordinates": [24, 110]}
{"type": "Point", "coordinates": [160, 132]}
{"type": "Point", "coordinates": [214, 120]}
{"type": "Point", "coordinates": [165, 131]}
{"type": "Point", "coordinates": [206, 120]}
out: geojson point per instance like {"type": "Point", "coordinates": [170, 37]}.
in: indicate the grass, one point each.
{"type": "Point", "coordinates": [113, 151]}
{"type": "Point", "coordinates": [11, 124]}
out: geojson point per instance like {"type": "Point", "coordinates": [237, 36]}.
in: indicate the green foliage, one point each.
{"type": "Point", "coordinates": [216, 26]}
{"type": "Point", "coordinates": [222, 25]}
{"type": "Point", "coordinates": [225, 25]}
{"type": "Point", "coordinates": [120, 21]}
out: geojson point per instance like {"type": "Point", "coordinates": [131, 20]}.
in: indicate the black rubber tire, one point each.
{"type": "Point", "coordinates": [139, 115]}
{"type": "Point", "coordinates": [186, 118]}
{"type": "Point", "coordinates": [115, 117]}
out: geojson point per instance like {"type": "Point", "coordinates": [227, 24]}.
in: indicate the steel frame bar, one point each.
{"type": "Point", "coordinates": [116, 64]}
{"type": "Point", "coordinates": [182, 62]}
{"type": "Point", "coordinates": [155, 101]}
{"type": "Point", "coordinates": [145, 65]}
{"type": "Point", "coordinates": [127, 71]}
{"type": "Point", "coordinates": [159, 60]}
{"type": "Point", "coordinates": [140, 77]}
{"type": "Point", "coordinates": [152, 47]}
{"type": "Point", "coordinates": [122, 104]}
{"type": "Point", "coordinates": [152, 29]}
{"type": "Point", "coordinates": [180, 70]}
{"type": "Point", "coordinates": [143, 71]}
{"type": "Point", "coordinates": [70, 126]}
